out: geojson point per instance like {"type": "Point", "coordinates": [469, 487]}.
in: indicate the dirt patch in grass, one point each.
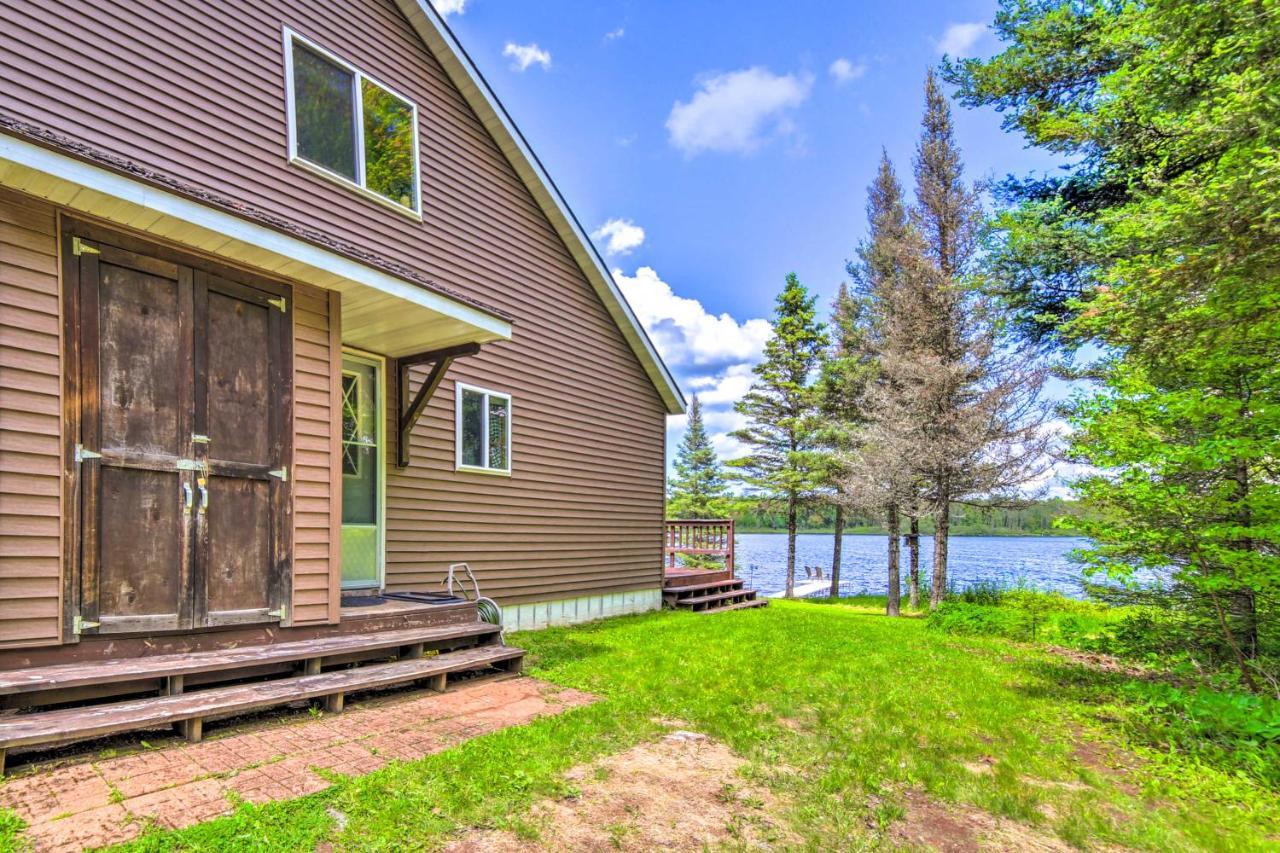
{"type": "Point", "coordinates": [1108, 760]}
{"type": "Point", "coordinates": [1105, 663]}
{"type": "Point", "coordinates": [684, 792]}
{"type": "Point", "coordinates": [930, 825]}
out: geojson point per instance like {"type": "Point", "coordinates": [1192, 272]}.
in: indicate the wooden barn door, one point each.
{"type": "Point", "coordinates": [136, 394]}
{"type": "Point", "coordinates": [181, 470]}
{"type": "Point", "coordinates": [242, 402]}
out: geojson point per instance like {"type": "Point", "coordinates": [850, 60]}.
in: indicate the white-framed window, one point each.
{"type": "Point", "coordinates": [348, 127]}
{"type": "Point", "coordinates": [483, 430]}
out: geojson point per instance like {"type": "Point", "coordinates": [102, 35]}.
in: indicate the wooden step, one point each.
{"type": "Point", "coordinates": [711, 599]}
{"type": "Point", "coordinates": [741, 605]}
{"type": "Point", "coordinates": [71, 724]}
{"type": "Point", "coordinates": [161, 666]}
{"type": "Point", "coordinates": [698, 587]}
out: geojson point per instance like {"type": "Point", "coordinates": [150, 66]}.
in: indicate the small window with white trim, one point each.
{"type": "Point", "coordinates": [483, 435]}
{"type": "Point", "coordinates": [350, 128]}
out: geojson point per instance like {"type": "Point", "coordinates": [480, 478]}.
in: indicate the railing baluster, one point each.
{"type": "Point", "coordinates": [709, 537]}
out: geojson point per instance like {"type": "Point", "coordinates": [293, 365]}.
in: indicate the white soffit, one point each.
{"type": "Point", "coordinates": [381, 313]}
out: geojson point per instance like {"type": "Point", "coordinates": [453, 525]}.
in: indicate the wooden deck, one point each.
{"type": "Point", "coordinates": [91, 696]}
{"type": "Point", "coordinates": [704, 590]}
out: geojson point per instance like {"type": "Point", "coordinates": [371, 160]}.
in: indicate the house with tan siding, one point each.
{"type": "Point", "coordinates": [291, 321]}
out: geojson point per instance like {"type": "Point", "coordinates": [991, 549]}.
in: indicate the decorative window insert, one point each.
{"type": "Point", "coordinates": [483, 430]}
{"type": "Point", "coordinates": [348, 127]}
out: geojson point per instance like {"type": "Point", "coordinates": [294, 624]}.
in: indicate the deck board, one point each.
{"type": "Point", "coordinates": [50, 727]}
{"type": "Point", "coordinates": [62, 676]}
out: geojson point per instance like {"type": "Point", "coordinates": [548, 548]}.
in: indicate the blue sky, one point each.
{"type": "Point", "coordinates": [728, 143]}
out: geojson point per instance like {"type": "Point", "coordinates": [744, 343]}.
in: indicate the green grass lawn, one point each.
{"type": "Point", "coordinates": [839, 710]}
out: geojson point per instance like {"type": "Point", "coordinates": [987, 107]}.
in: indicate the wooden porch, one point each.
{"type": "Point", "coordinates": [704, 590]}
{"type": "Point", "coordinates": [109, 686]}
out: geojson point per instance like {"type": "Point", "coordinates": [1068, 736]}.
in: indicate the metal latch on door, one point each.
{"type": "Point", "coordinates": [82, 454]}
{"type": "Point", "coordinates": [78, 625]}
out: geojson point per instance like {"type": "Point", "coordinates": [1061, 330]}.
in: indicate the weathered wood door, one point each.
{"type": "Point", "coordinates": [184, 418]}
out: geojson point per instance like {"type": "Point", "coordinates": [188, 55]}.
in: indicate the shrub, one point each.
{"type": "Point", "coordinates": [989, 593]}
{"type": "Point", "coordinates": [1022, 614]}
{"type": "Point", "coordinates": [1224, 728]}
{"type": "Point", "coordinates": [960, 617]}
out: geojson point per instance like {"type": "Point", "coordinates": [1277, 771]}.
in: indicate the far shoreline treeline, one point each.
{"type": "Point", "coordinates": [1053, 517]}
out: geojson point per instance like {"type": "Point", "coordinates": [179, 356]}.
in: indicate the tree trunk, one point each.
{"type": "Point", "coordinates": [791, 545]}
{"type": "Point", "coordinates": [941, 530]}
{"type": "Point", "coordinates": [836, 552]}
{"type": "Point", "coordinates": [1243, 602]}
{"type": "Point", "coordinates": [894, 605]}
{"type": "Point", "coordinates": [913, 548]}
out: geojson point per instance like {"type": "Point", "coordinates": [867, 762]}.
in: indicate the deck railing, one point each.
{"type": "Point", "coordinates": [706, 537]}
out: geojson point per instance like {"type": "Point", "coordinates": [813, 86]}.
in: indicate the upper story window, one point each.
{"type": "Point", "coordinates": [483, 434]}
{"type": "Point", "coordinates": [349, 127]}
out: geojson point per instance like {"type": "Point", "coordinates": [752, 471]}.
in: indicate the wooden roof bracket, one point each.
{"type": "Point", "coordinates": [439, 360]}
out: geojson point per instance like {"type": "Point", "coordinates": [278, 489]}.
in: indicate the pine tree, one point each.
{"type": "Point", "coordinates": [1158, 241]}
{"type": "Point", "coordinates": [846, 369]}
{"type": "Point", "coordinates": [880, 467]}
{"type": "Point", "coordinates": [698, 489]}
{"type": "Point", "coordinates": [786, 464]}
{"type": "Point", "coordinates": [973, 396]}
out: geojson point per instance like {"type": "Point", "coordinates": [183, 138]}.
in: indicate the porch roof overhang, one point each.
{"type": "Point", "coordinates": [381, 312]}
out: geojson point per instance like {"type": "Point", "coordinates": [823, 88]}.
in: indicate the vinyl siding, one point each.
{"type": "Point", "coordinates": [316, 362]}
{"type": "Point", "coordinates": [582, 512]}
{"type": "Point", "coordinates": [30, 423]}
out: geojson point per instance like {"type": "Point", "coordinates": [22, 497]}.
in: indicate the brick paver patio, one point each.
{"type": "Point", "coordinates": [94, 803]}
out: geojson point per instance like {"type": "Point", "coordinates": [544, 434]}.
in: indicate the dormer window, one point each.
{"type": "Point", "coordinates": [350, 128]}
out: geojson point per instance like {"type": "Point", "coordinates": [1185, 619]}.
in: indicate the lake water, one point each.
{"type": "Point", "coordinates": [1041, 562]}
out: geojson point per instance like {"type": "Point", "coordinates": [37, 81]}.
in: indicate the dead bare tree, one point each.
{"type": "Point", "coordinates": [983, 423]}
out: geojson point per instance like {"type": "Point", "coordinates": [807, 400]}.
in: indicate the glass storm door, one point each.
{"type": "Point", "coordinates": [362, 472]}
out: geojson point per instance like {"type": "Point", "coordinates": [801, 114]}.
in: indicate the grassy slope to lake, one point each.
{"type": "Point", "coordinates": [847, 716]}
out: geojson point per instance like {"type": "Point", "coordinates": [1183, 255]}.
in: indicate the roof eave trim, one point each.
{"type": "Point", "coordinates": [450, 53]}
{"type": "Point", "coordinates": [97, 179]}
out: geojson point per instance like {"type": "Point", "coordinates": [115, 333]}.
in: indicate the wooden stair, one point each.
{"type": "Point", "coordinates": [719, 594]}
{"type": "Point", "coordinates": [326, 668]}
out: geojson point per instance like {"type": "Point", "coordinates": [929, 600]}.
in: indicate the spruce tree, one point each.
{"type": "Point", "coordinates": [786, 464]}
{"type": "Point", "coordinates": [1159, 242]}
{"type": "Point", "coordinates": [882, 474]}
{"type": "Point", "coordinates": [953, 398]}
{"type": "Point", "coordinates": [698, 489]}
{"type": "Point", "coordinates": [846, 368]}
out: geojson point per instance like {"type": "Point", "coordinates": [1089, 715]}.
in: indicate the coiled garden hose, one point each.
{"type": "Point", "coordinates": [489, 611]}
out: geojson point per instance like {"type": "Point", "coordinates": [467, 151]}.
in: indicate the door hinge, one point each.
{"type": "Point", "coordinates": [280, 614]}
{"type": "Point", "coordinates": [282, 473]}
{"type": "Point", "coordinates": [281, 303]}
{"type": "Point", "coordinates": [197, 438]}
{"type": "Point", "coordinates": [82, 454]}
{"type": "Point", "coordinates": [188, 465]}
{"type": "Point", "coordinates": [78, 625]}
{"type": "Point", "coordinates": [79, 247]}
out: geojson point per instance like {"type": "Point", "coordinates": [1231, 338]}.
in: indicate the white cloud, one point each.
{"type": "Point", "coordinates": [614, 35]}
{"type": "Point", "coordinates": [619, 236]}
{"type": "Point", "coordinates": [711, 355]}
{"type": "Point", "coordinates": [843, 71]}
{"type": "Point", "coordinates": [524, 55]}
{"type": "Point", "coordinates": [685, 333]}
{"type": "Point", "coordinates": [959, 38]}
{"type": "Point", "coordinates": [450, 7]}
{"type": "Point", "coordinates": [738, 111]}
